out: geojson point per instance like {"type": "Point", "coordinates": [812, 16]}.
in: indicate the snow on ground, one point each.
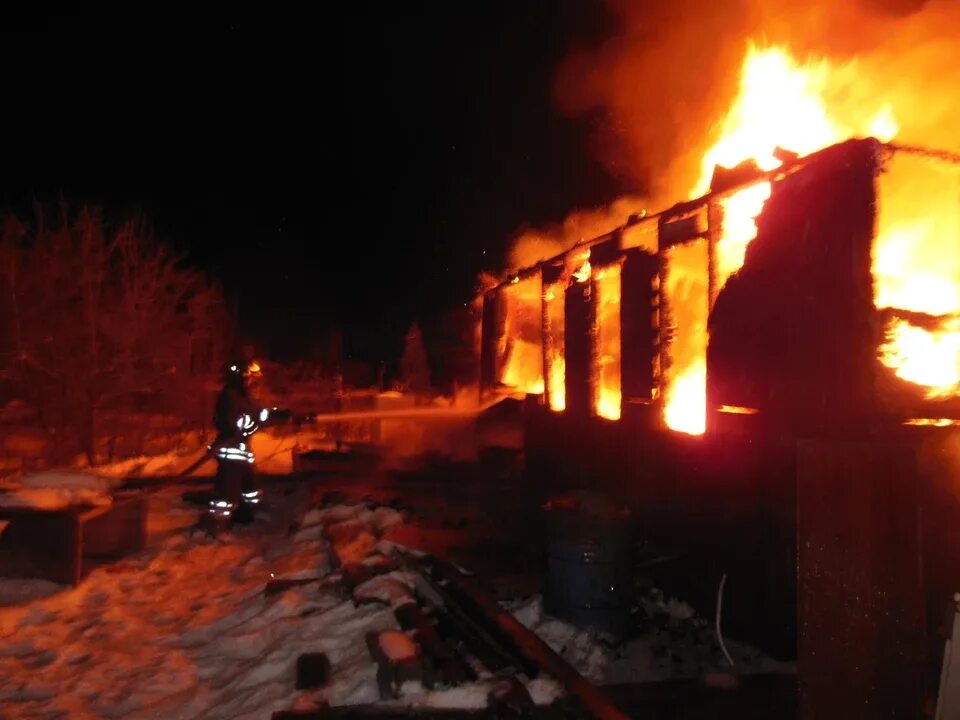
{"type": "Point", "coordinates": [182, 631]}
{"type": "Point", "coordinates": [185, 630]}
{"type": "Point", "coordinates": [674, 643]}
{"type": "Point", "coordinates": [53, 498]}
{"type": "Point", "coordinates": [53, 489]}
{"type": "Point", "coordinates": [274, 450]}
{"type": "Point", "coordinates": [164, 465]}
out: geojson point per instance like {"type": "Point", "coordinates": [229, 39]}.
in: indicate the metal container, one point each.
{"type": "Point", "coordinates": [589, 563]}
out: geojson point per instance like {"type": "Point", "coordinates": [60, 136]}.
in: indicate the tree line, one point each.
{"type": "Point", "coordinates": [99, 318]}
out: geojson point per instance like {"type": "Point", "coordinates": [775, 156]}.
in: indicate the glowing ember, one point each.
{"type": "Point", "coordinates": [737, 410]}
{"type": "Point", "coordinates": [781, 104]}
{"type": "Point", "coordinates": [607, 393]}
{"type": "Point", "coordinates": [554, 348]}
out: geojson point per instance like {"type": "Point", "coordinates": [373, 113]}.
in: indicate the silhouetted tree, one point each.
{"type": "Point", "coordinates": [98, 316]}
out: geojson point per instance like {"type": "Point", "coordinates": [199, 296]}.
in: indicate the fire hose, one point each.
{"type": "Point", "coordinates": [283, 416]}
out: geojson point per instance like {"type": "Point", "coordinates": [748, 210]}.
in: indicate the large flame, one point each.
{"type": "Point", "coordinates": [916, 267]}
{"type": "Point", "coordinates": [781, 103]}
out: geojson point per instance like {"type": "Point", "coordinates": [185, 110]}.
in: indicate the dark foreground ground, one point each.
{"type": "Point", "coordinates": [486, 519]}
{"type": "Point", "coordinates": [184, 629]}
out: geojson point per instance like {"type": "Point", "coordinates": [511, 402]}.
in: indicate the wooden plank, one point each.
{"type": "Point", "coordinates": [859, 580]}
{"type": "Point", "coordinates": [51, 544]}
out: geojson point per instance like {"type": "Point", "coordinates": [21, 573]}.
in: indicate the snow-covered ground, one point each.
{"type": "Point", "coordinates": [674, 643]}
{"type": "Point", "coordinates": [185, 630]}
{"type": "Point", "coordinates": [274, 451]}
{"type": "Point", "coordinates": [52, 489]}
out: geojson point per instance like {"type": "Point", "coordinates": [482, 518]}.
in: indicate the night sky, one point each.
{"type": "Point", "coordinates": [350, 169]}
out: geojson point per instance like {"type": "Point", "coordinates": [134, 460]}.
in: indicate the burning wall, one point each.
{"type": "Point", "coordinates": [792, 334]}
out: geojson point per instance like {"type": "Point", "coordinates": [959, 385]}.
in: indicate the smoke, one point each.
{"type": "Point", "coordinates": [531, 245]}
{"type": "Point", "coordinates": [663, 83]}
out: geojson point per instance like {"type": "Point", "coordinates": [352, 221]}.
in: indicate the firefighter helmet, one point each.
{"type": "Point", "coordinates": [240, 370]}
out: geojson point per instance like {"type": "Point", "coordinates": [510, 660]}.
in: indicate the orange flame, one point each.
{"type": "Point", "coordinates": [925, 357]}
{"type": "Point", "coordinates": [916, 267]}
{"type": "Point", "coordinates": [554, 347]}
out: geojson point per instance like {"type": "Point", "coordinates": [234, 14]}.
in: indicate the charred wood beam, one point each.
{"type": "Point", "coordinates": [918, 319]}
{"type": "Point", "coordinates": [471, 631]}
{"type": "Point", "coordinates": [942, 155]}
{"type": "Point", "coordinates": [728, 178]}
{"type": "Point", "coordinates": [683, 223]}
{"type": "Point", "coordinates": [727, 182]}
{"type": "Point", "coordinates": [452, 667]}
{"type": "Point", "coordinates": [607, 252]}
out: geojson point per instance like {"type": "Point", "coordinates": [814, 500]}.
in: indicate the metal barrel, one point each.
{"type": "Point", "coordinates": [589, 563]}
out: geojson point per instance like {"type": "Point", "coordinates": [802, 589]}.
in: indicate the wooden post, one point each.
{"type": "Point", "coordinates": [860, 616]}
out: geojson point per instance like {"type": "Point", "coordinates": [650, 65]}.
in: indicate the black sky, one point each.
{"type": "Point", "coordinates": [352, 167]}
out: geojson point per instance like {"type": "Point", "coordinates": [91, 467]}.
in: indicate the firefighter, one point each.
{"type": "Point", "coordinates": [236, 493]}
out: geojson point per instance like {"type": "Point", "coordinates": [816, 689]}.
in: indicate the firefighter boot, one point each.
{"type": "Point", "coordinates": [251, 504]}
{"type": "Point", "coordinates": [219, 518]}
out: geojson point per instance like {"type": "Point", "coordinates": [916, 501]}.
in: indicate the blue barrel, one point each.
{"type": "Point", "coordinates": [589, 563]}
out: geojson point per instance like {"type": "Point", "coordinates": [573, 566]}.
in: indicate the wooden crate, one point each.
{"type": "Point", "coordinates": [58, 544]}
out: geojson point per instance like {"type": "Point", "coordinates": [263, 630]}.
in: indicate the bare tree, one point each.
{"type": "Point", "coordinates": [99, 317]}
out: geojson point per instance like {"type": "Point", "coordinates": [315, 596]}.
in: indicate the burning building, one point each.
{"type": "Point", "coordinates": [839, 310]}
{"type": "Point", "coordinates": [763, 369]}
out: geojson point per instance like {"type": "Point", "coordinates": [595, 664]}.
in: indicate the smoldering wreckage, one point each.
{"type": "Point", "coordinates": [767, 376]}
